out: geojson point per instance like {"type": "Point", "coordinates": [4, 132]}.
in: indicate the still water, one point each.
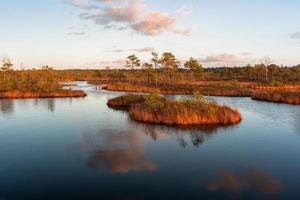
{"type": "Point", "coordinates": [81, 149]}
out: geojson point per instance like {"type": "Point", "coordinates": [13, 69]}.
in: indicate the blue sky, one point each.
{"type": "Point", "coordinates": [65, 34]}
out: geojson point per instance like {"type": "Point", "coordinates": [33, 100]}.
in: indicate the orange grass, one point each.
{"type": "Point", "coordinates": [210, 90]}
{"type": "Point", "coordinates": [158, 110]}
{"type": "Point", "coordinates": [26, 95]}
{"type": "Point", "coordinates": [290, 97]}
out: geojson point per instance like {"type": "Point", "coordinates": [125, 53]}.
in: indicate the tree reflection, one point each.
{"type": "Point", "coordinates": [197, 135]}
{"type": "Point", "coordinates": [252, 180]}
{"type": "Point", "coordinates": [297, 122]}
{"type": "Point", "coordinates": [7, 107]}
{"type": "Point", "coordinates": [123, 151]}
{"type": "Point", "coordinates": [48, 104]}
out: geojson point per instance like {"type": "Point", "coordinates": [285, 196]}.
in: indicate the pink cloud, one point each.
{"type": "Point", "coordinates": [155, 23]}
{"type": "Point", "coordinates": [132, 15]}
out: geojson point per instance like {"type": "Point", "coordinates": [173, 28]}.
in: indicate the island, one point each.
{"type": "Point", "coordinates": [156, 109]}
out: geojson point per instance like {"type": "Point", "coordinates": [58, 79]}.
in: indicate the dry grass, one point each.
{"type": "Point", "coordinates": [210, 90]}
{"type": "Point", "coordinates": [158, 110]}
{"type": "Point", "coordinates": [290, 97]}
{"type": "Point", "coordinates": [26, 95]}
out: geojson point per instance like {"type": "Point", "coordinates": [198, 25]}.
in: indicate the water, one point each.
{"type": "Point", "coordinates": [81, 149]}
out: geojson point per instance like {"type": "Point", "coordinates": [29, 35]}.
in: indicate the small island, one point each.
{"type": "Point", "coordinates": [159, 110]}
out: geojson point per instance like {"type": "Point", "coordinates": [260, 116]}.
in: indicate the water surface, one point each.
{"type": "Point", "coordinates": [78, 148]}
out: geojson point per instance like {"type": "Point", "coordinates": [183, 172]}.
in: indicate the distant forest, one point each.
{"type": "Point", "coordinates": [161, 70]}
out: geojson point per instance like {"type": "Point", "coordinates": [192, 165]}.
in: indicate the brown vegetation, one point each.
{"type": "Point", "coordinates": [26, 95]}
{"type": "Point", "coordinates": [279, 96]}
{"type": "Point", "coordinates": [163, 75]}
{"type": "Point", "coordinates": [158, 110]}
{"type": "Point", "coordinates": [282, 94]}
{"type": "Point", "coordinates": [209, 90]}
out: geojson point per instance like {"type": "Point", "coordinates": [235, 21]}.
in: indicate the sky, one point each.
{"type": "Point", "coordinates": [102, 33]}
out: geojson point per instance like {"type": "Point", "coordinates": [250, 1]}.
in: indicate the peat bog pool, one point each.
{"type": "Point", "coordinates": [78, 148]}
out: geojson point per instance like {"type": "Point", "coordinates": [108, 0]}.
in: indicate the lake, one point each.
{"type": "Point", "coordinates": [78, 148]}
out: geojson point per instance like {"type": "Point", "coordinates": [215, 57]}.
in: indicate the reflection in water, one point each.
{"type": "Point", "coordinates": [122, 152]}
{"type": "Point", "coordinates": [122, 160]}
{"type": "Point", "coordinates": [297, 122]}
{"type": "Point", "coordinates": [6, 107]}
{"type": "Point", "coordinates": [49, 104]}
{"type": "Point", "coordinates": [256, 180]}
{"type": "Point", "coordinates": [197, 135]}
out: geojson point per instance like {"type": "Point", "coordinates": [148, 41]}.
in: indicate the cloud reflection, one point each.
{"type": "Point", "coordinates": [123, 151]}
{"type": "Point", "coordinates": [254, 179]}
{"type": "Point", "coordinates": [122, 161]}
{"type": "Point", "coordinates": [120, 152]}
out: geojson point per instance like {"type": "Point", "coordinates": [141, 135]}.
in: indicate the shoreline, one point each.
{"type": "Point", "coordinates": [284, 95]}
{"type": "Point", "coordinates": [35, 95]}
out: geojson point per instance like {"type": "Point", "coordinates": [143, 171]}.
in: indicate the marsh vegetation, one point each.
{"type": "Point", "coordinates": [159, 110]}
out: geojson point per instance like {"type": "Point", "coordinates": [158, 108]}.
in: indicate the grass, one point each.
{"type": "Point", "coordinates": [156, 109]}
{"type": "Point", "coordinates": [209, 90]}
{"type": "Point", "coordinates": [27, 95]}
{"type": "Point", "coordinates": [278, 96]}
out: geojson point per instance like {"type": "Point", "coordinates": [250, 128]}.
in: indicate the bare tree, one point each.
{"type": "Point", "coordinates": [266, 61]}
{"type": "Point", "coordinates": [6, 64]}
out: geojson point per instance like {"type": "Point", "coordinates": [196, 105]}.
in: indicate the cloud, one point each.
{"type": "Point", "coordinates": [221, 58]}
{"type": "Point", "coordinates": [132, 15]}
{"type": "Point", "coordinates": [145, 49]}
{"type": "Point", "coordinates": [183, 11]}
{"type": "Point", "coordinates": [225, 59]}
{"type": "Point", "coordinates": [82, 4]}
{"type": "Point", "coordinates": [155, 23]}
{"type": "Point", "coordinates": [118, 14]}
{"type": "Point", "coordinates": [139, 50]}
{"type": "Point", "coordinates": [295, 35]}
{"type": "Point", "coordinates": [76, 33]}
{"type": "Point", "coordinates": [245, 54]}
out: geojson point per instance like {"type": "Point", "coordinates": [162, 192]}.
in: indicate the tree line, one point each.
{"type": "Point", "coordinates": [161, 70]}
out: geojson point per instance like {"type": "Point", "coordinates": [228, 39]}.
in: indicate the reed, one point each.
{"type": "Point", "coordinates": [185, 89]}
{"type": "Point", "coordinates": [279, 96]}
{"type": "Point", "coordinates": [28, 95]}
{"type": "Point", "coordinates": [158, 110]}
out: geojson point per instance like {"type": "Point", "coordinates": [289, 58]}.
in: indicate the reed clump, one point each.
{"type": "Point", "coordinates": [278, 96]}
{"type": "Point", "coordinates": [159, 110]}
